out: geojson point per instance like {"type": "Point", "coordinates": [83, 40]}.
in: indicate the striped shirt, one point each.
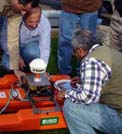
{"type": "Point", "coordinates": [94, 74]}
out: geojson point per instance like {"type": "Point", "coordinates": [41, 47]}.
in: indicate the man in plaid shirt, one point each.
{"type": "Point", "coordinates": [96, 104]}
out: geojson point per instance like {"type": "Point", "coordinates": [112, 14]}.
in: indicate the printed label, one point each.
{"type": "Point", "coordinates": [3, 95]}
{"type": "Point", "coordinates": [49, 121]}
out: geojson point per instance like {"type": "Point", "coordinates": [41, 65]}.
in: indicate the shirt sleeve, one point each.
{"type": "Point", "coordinates": [94, 75]}
{"type": "Point", "coordinates": [44, 41]}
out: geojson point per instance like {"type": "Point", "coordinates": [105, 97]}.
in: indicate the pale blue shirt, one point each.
{"type": "Point", "coordinates": [41, 33]}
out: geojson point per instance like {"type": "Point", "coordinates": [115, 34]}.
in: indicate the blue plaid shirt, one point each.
{"type": "Point", "coordinates": [93, 74]}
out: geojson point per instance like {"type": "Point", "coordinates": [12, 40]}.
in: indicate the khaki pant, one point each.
{"type": "Point", "coordinates": [116, 31]}
{"type": "Point", "coordinates": [4, 5]}
{"type": "Point", "coordinates": [103, 34]}
{"type": "Point", "coordinates": [13, 40]}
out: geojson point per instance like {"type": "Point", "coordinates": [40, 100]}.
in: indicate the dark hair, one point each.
{"type": "Point", "coordinates": [34, 3]}
{"type": "Point", "coordinates": [30, 12]}
{"type": "Point", "coordinates": [83, 38]}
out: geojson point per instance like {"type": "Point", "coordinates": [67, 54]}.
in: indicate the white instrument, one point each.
{"type": "Point", "coordinates": [38, 66]}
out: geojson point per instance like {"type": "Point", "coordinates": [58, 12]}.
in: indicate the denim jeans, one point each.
{"type": "Point", "coordinates": [85, 119]}
{"type": "Point", "coordinates": [2, 18]}
{"type": "Point", "coordinates": [28, 52]}
{"type": "Point", "coordinates": [68, 23]}
{"type": "Point", "coordinates": [5, 61]}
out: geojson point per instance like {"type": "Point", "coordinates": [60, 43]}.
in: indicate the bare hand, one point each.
{"type": "Point", "coordinates": [19, 74]}
{"type": "Point", "coordinates": [61, 94]}
{"type": "Point", "coordinates": [75, 80]}
{"type": "Point", "coordinates": [21, 63]}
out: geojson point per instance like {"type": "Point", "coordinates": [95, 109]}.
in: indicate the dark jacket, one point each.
{"type": "Point", "coordinates": [81, 6]}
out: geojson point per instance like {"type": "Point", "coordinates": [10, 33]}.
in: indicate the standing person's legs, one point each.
{"type": "Point", "coordinates": [2, 18]}
{"type": "Point", "coordinates": [3, 40]}
{"type": "Point", "coordinates": [67, 25]}
{"type": "Point", "coordinates": [5, 62]}
{"type": "Point", "coordinates": [116, 31]}
{"type": "Point", "coordinates": [89, 21]}
{"type": "Point", "coordinates": [85, 119]}
{"type": "Point", "coordinates": [30, 51]}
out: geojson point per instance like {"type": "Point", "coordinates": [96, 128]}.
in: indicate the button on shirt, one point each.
{"type": "Point", "coordinates": [41, 33]}
{"type": "Point", "coordinates": [94, 75]}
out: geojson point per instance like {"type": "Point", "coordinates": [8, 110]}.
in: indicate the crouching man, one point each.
{"type": "Point", "coordinates": [97, 103]}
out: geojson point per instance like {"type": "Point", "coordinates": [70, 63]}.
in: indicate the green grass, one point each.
{"type": "Point", "coordinates": [52, 66]}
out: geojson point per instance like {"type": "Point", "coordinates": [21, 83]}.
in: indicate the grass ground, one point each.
{"type": "Point", "coordinates": [52, 66]}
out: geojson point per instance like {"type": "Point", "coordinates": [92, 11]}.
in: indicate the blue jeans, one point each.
{"type": "Point", "coordinates": [28, 52]}
{"type": "Point", "coordinates": [68, 23]}
{"type": "Point", "coordinates": [5, 61]}
{"type": "Point", "coordinates": [85, 119]}
{"type": "Point", "coordinates": [2, 18]}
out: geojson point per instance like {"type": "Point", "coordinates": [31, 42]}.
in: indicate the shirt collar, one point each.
{"type": "Point", "coordinates": [90, 51]}
{"type": "Point", "coordinates": [93, 48]}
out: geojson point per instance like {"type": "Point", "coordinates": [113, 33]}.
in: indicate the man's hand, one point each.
{"type": "Point", "coordinates": [75, 80]}
{"type": "Point", "coordinates": [19, 74]}
{"type": "Point", "coordinates": [21, 63]}
{"type": "Point", "coordinates": [61, 94]}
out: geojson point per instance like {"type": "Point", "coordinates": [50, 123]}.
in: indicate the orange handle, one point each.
{"type": "Point", "coordinates": [37, 76]}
